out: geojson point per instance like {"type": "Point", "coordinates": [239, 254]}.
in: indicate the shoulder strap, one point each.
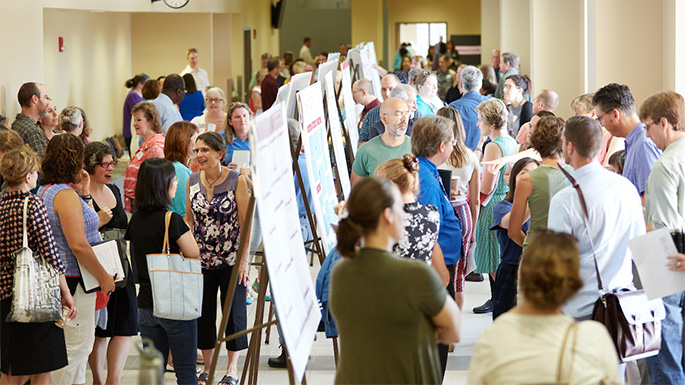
{"type": "Point", "coordinates": [573, 328]}
{"type": "Point", "coordinates": [26, 206]}
{"type": "Point", "coordinates": [165, 245]}
{"type": "Point", "coordinates": [586, 218]}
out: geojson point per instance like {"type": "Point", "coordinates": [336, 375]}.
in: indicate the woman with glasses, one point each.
{"type": "Point", "coordinates": [149, 127]}
{"type": "Point", "coordinates": [427, 100]}
{"type": "Point", "coordinates": [214, 118]}
{"type": "Point", "coordinates": [178, 147]}
{"type": "Point", "coordinates": [237, 132]}
{"type": "Point", "coordinates": [492, 121]}
{"type": "Point", "coordinates": [216, 207]}
{"type": "Point", "coordinates": [515, 88]}
{"type": "Point", "coordinates": [121, 321]}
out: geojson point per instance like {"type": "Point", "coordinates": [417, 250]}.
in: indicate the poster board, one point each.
{"type": "Point", "coordinates": [315, 143]}
{"type": "Point", "coordinates": [349, 107]}
{"type": "Point", "coordinates": [291, 283]}
{"type": "Point", "coordinates": [368, 59]}
{"type": "Point", "coordinates": [297, 82]}
{"type": "Point", "coordinates": [336, 136]}
{"type": "Point", "coordinates": [333, 56]}
{"type": "Point", "coordinates": [325, 68]}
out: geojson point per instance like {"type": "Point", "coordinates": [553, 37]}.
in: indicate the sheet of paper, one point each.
{"type": "Point", "coordinates": [649, 253]}
{"type": "Point", "coordinates": [241, 158]}
{"type": "Point", "coordinates": [333, 56]}
{"type": "Point", "coordinates": [108, 254]}
{"type": "Point", "coordinates": [297, 83]}
{"type": "Point", "coordinates": [351, 119]}
{"type": "Point", "coordinates": [337, 136]}
{"type": "Point", "coordinates": [325, 68]}
{"type": "Point", "coordinates": [290, 280]}
{"type": "Point", "coordinates": [368, 56]}
{"type": "Point", "coordinates": [315, 143]}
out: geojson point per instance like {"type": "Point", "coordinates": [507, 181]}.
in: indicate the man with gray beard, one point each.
{"type": "Point", "coordinates": [391, 144]}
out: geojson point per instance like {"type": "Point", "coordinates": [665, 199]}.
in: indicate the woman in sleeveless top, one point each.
{"type": "Point", "coordinates": [216, 207]}
{"type": "Point", "coordinates": [492, 120]}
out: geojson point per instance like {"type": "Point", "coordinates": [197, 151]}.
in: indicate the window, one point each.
{"type": "Point", "coordinates": [422, 35]}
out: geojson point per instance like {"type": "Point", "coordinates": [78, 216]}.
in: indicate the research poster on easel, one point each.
{"type": "Point", "coordinates": [286, 260]}
{"type": "Point", "coordinates": [368, 56]}
{"type": "Point", "coordinates": [351, 119]}
{"type": "Point", "coordinates": [337, 136]}
{"type": "Point", "coordinates": [315, 143]}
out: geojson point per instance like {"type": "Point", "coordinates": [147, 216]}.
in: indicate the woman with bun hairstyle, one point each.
{"type": "Point", "coordinates": [134, 96]}
{"type": "Point", "coordinates": [504, 296]}
{"type": "Point", "coordinates": [375, 344]}
{"type": "Point", "coordinates": [71, 121]}
{"type": "Point", "coordinates": [421, 223]}
{"type": "Point", "coordinates": [524, 345]}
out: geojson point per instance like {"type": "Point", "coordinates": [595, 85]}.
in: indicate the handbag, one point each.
{"type": "Point", "coordinates": [176, 282]}
{"type": "Point", "coordinates": [633, 321]}
{"type": "Point", "coordinates": [36, 292]}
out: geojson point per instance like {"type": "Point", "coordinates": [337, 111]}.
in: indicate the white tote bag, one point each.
{"type": "Point", "coordinates": [176, 282]}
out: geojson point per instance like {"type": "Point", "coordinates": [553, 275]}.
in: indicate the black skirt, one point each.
{"type": "Point", "coordinates": [506, 289]}
{"type": "Point", "coordinates": [122, 313]}
{"type": "Point", "coordinates": [30, 348]}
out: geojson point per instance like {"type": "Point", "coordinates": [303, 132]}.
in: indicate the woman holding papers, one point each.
{"type": "Point", "coordinates": [66, 193]}
{"type": "Point", "coordinates": [216, 207]}
{"type": "Point", "coordinates": [535, 343]}
{"type": "Point", "coordinates": [122, 308]}
{"type": "Point", "coordinates": [214, 118]}
{"type": "Point", "coordinates": [29, 350]}
{"type": "Point", "coordinates": [237, 134]}
{"type": "Point", "coordinates": [377, 346]}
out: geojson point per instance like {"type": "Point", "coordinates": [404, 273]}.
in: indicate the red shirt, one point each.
{"type": "Point", "coordinates": [368, 108]}
{"type": "Point", "coordinates": [269, 91]}
{"type": "Point", "coordinates": [151, 148]}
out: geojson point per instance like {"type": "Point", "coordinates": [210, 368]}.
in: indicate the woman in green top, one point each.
{"type": "Point", "coordinates": [536, 189]}
{"type": "Point", "coordinates": [391, 337]}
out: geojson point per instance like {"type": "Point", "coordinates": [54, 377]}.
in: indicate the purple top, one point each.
{"type": "Point", "coordinates": [131, 100]}
{"type": "Point", "coordinates": [641, 153]}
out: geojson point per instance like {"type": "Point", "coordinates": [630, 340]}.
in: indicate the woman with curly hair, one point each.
{"type": "Point", "coordinates": [74, 222]}
{"type": "Point", "coordinates": [536, 189]}
{"type": "Point", "coordinates": [523, 346]}
{"type": "Point", "coordinates": [148, 126]}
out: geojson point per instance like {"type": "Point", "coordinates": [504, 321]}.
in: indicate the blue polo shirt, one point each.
{"type": "Point", "coordinates": [432, 193]}
{"type": "Point", "coordinates": [641, 153]}
{"type": "Point", "coordinates": [237, 145]}
{"type": "Point", "coordinates": [466, 105]}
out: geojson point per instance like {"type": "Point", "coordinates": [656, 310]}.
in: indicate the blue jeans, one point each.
{"type": "Point", "coordinates": [178, 336]}
{"type": "Point", "coordinates": [667, 366]}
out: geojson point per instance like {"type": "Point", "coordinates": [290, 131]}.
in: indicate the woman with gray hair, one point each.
{"type": "Point", "coordinates": [215, 116]}
{"type": "Point", "coordinates": [71, 120]}
{"type": "Point", "coordinates": [492, 120]}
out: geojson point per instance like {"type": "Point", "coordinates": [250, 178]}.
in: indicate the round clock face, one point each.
{"type": "Point", "coordinates": [176, 3]}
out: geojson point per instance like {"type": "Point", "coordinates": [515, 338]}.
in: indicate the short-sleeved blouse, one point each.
{"type": "Point", "coordinates": [421, 224]}
{"type": "Point", "coordinates": [90, 220]}
{"type": "Point", "coordinates": [216, 227]}
{"type": "Point", "coordinates": [38, 231]}
{"type": "Point", "coordinates": [151, 148]}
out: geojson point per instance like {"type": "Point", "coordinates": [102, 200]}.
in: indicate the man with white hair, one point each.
{"type": "Point", "coordinates": [373, 117]}
{"type": "Point", "coordinates": [470, 82]}
{"type": "Point", "coordinates": [406, 93]}
{"type": "Point", "coordinates": [509, 65]}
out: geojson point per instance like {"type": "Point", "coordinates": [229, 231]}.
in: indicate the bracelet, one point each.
{"type": "Point", "coordinates": [87, 198]}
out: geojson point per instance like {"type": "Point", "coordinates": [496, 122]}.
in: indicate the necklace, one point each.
{"type": "Point", "coordinates": [211, 184]}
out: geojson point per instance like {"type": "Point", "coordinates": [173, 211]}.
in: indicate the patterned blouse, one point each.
{"type": "Point", "coordinates": [421, 224]}
{"type": "Point", "coordinates": [38, 230]}
{"type": "Point", "coordinates": [216, 227]}
{"type": "Point", "coordinates": [151, 148]}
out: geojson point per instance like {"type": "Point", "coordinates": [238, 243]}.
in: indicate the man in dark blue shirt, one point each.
{"type": "Point", "coordinates": [471, 80]}
{"type": "Point", "coordinates": [432, 143]}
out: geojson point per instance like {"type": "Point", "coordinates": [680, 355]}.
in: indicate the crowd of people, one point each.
{"type": "Point", "coordinates": [457, 166]}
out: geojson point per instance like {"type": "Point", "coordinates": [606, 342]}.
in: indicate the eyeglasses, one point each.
{"type": "Point", "coordinates": [649, 124]}
{"type": "Point", "coordinates": [453, 141]}
{"type": "Point", "coordinates": [599, 118]}
{"type": "Point", "coordinates": [238, 104]}
{"type": "Point", "coordinates": [217, 100]}
{"type": "Point", "coordinates": [109, 164]}
{"type": "Point", "coordinates": [203, 150]}
{"type": "Point", "coordinates": [398, 114]}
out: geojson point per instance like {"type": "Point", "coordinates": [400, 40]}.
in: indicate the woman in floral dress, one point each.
{"type": "Point", "coordinates": [216, 207]}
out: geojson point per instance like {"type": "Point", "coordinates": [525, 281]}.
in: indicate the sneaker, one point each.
{"type": "Point", "coordinates": [278, 362]}
{"type": "Point", "coordinates": [249, 297]}
{"type": "Point", "coordinates": [474, 277]}
{"type": "Point", "coordinates": [487, 307]}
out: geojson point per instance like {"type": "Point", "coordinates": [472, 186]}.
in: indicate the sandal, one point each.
{"type": "Point", "coordinates": [204, 377]}
{"type": "Point", "coordinates": [228, 380]}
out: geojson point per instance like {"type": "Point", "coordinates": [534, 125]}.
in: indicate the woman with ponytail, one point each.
{"type": "Point", "coordinates": [391, 337]}
{"type": "Point", "coordinates": [524, 345]}
{"type": "Point", "coordinates": [135, 96]}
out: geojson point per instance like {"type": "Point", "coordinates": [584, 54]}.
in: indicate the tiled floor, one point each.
{"type": "Point", "coordinates": [321, 367]}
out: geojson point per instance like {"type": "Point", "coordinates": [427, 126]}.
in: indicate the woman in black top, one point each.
{"type": "Point", "coordinates": [146, 233]}
{"type": "Point", "coordinates": [121, 315]}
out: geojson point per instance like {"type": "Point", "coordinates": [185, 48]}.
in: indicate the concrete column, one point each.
{"type": "Point", "coordinates": [490, 29]}
{"type": "Point", "coordinates": [515, 30]}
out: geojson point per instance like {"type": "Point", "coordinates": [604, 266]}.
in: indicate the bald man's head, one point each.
{"type": "Point", "coordinates": [395, 116]}
{"type": "Point", "coordinates": [545, 100]}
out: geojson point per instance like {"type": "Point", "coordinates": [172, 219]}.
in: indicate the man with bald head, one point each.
{"type": "Point", "coordinates": [373, 117]}
{"type": "Point", "coordinates": [545, 100]}
{"type": "Point", "coordinates": [393, 143]}
{"type": "Point", "coordinates": [408, 94]}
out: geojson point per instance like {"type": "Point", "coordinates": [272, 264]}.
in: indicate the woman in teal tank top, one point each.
{"type": "Point", "coordinates": [538, 187]}
{"type": "Point", "coordinates": [492, 120]}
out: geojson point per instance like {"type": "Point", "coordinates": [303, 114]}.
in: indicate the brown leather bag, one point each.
{"type": "Point", "coordinates": [633, 321]}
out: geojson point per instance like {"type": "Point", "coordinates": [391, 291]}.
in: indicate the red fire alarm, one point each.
{"type": "Point", "coordinates": [254, 33]}
{"type": "Point", "coordinates": [61, 44]}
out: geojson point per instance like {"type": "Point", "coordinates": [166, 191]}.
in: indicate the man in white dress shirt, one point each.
{"type": "Point", "coordinates": [615, 213]}
{"type": "Point", "coordinates": [193, 68]}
